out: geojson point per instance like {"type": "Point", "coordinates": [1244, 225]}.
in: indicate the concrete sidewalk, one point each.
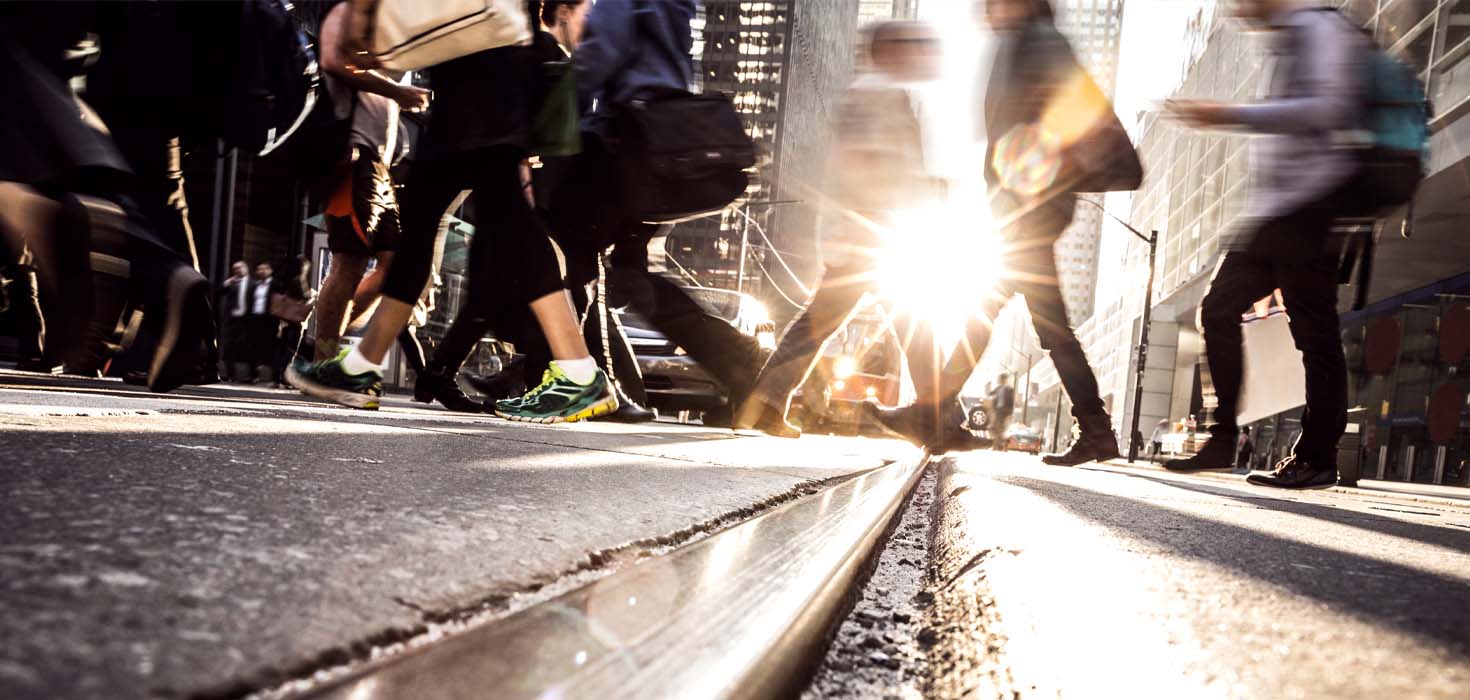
{"type": "Point", "coordinates": [222, 540]}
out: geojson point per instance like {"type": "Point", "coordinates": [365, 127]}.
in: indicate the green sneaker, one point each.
{"type": "Point", "coordinates": [560, 400]}
{"type": "Point", "coordinates": [327, 380]}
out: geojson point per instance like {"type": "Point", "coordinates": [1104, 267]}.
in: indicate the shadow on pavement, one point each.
{"type": "Point", "coordinates": [1439, 536]}
{"type": "Point", "coordinates": [1411, 601]}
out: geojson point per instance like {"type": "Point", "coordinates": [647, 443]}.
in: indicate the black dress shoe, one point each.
{"type": "Point", "coordinates": [629, 411]}
{"type": "Point", "coordinates": [1218, 453]}
{"type": "Point", "coordinates": [1096, 442]}
{"type": "Point", "coordinates": [1296, 473]}
{"type": "Point", "coordinates": [437, 383]}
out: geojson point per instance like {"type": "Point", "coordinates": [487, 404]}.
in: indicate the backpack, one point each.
{"type": "Point", "coordinates": [1395, 122]}
{"type": "Point", "coordinates": [1392, 133]}
{"type": "Point", "coordinates": [323, 142]}
{"type": "Point", "coordinates": [276, 77]}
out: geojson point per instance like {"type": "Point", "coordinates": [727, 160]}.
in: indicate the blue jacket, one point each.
{"type": "Point", "coordinates": [631, 49]}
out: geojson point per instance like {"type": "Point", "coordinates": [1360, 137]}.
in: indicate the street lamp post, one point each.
{"type": "Point", "coordinates": [1148, 306]}
{"type": "Point", "coordinates": [1148, 303]}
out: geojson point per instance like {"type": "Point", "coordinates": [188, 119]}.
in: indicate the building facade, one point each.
{"type": "Point", "coordinates": [1196, 189]}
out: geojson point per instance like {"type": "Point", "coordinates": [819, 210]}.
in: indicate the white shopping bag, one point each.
{"type": "Point", "coordinates": [1274, 378]}
{"type": "Point", "coordinates": [414, 34]}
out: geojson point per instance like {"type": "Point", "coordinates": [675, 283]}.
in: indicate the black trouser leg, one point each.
{"type": "Point", "coordinates": [413, 351]}
{"type": "Point", "coordinates": [1310, 292]}
{"type": "Point", "coordinates": [1049, 317]}
{"type": "Point", "coordinates": [1239, 282]}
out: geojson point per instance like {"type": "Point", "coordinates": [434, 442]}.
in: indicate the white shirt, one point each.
{"type": "Point", "coordinates": [262, 304]}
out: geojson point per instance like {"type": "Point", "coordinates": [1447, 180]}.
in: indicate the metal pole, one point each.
{"type": "Point", "coordinates": [744, 241]}
{"type": "Point", "coordinates": [1056, 428]}
{"type": "Point", "coordinates": [1026, 406]}
{"type": "Point", "coordinates": [1148, 303]}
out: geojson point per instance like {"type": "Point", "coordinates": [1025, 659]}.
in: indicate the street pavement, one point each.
{"type": "Point", "coordinates": [222, 540]}
{"type": "Point", "coordinates": [1102, 582]}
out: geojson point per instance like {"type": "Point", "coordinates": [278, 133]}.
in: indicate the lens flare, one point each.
{"type": "Point", "coordinates": [939, 264]}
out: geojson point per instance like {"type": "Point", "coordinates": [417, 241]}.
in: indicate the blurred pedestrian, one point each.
{"type": "Point", "coordinates": [1003, 402]}
{"type": "Point", "coordinates": [1245, 449]}
{"type": "Point", "coordinates": [1301, 181]}
{"type": "Point", "coordinates": [1034, 77]}
{"type": "Point", "coordinates": [877, 169]}
{"type": "Point", "coordinates": [1156, 439]}
{"type": "Point", "coordinates": [68, 194]}
{"type": "Point", "coordinates": [477, 138]}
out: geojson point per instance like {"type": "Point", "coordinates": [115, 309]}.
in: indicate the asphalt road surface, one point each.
{"type": "Point", "coordinates": [220, 543]}
{"type": "Point", "coordinates": [1113, 583]}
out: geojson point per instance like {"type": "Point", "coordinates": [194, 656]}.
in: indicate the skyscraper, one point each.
{"type": "Point", "coordinates": [1094, 28]}
{"type": "Point", "coordinates": [783, 62]}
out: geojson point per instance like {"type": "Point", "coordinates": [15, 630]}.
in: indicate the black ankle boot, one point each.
{"type": "Point", "coordinates": [1097, 442]}
{"type": "Point", "coordinates": [1217, 453]}
{"type": "Point", "coordinates": [437, 383]}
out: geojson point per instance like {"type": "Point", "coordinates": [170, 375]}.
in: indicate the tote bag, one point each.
{"type": "Point", "coordinates": [414, 34]}
{"type": "Point", "coordinates": [1275, 380]}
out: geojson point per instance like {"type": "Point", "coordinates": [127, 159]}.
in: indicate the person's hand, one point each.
{"type": "Point", "coordinates": [412, 99]}
{"type": "Point", "coordinates": [1199, 113]}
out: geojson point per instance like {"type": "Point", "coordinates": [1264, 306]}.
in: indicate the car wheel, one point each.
{"type": "Point", "coordinates": [978, 419]}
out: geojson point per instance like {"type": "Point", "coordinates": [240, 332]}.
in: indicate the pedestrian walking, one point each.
{"type": "Point", "coordinates": [877, 169]}
{"type": "Point", "coordinates": [362, 216]}
{"type": "Point", "coordinates": [477, 138]}
{"type": "Point", "coordinates": [486, 306]}
{"type": "Point", "coordinates": [1301, 181]}
{"type": "Point", "coordinates": [631, 52]}
{"type": "Point", "coordinates": [1033, 72]}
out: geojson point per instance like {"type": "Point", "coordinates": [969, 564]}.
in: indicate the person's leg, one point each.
{"type": "Point", "coordinates": [412, 349]}
{"type": "Point", "coordinates": [355, 380]}
{"type": "Point", "coordinates": [286, 350]}
{"type": "Point", "coordinates": [1309, 289]}
{"type": "Point", "coordinates": [370, 290]}
{"type": "Point", "coordinates": [1039, 286]}
{"type": "Point", "coordinates": [799, 348]}
{"type": "Point", "coordinates": [439, 379]}
{"type": "Point", "coordinates": [1239, 282]}
{"type": "Point", "coordinates": [346, 272]}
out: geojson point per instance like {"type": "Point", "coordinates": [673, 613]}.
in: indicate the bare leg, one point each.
{"type": "Point", "coordinates": [365, 299]}
{"type": "Point", "coordinates": [559, 322]}
{"type": "Point", "coordinates": [382, 332]}
{"type": "Point", "coordinates": [332, 304]}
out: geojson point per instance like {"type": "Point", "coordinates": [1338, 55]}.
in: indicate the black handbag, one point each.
{"type": "Point", "coordinates": [681, 155]}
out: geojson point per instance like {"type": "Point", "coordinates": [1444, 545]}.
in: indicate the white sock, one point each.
{"type": "Point", "coordinates": [581, 371]}
{"type": "Point", "coordinates": [355, 363]}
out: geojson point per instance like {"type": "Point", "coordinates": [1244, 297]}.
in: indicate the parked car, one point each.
{"type": "Point", "coordinates": [1023, 438]}
{"type": "Point", "coordinates": [673, 380]}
